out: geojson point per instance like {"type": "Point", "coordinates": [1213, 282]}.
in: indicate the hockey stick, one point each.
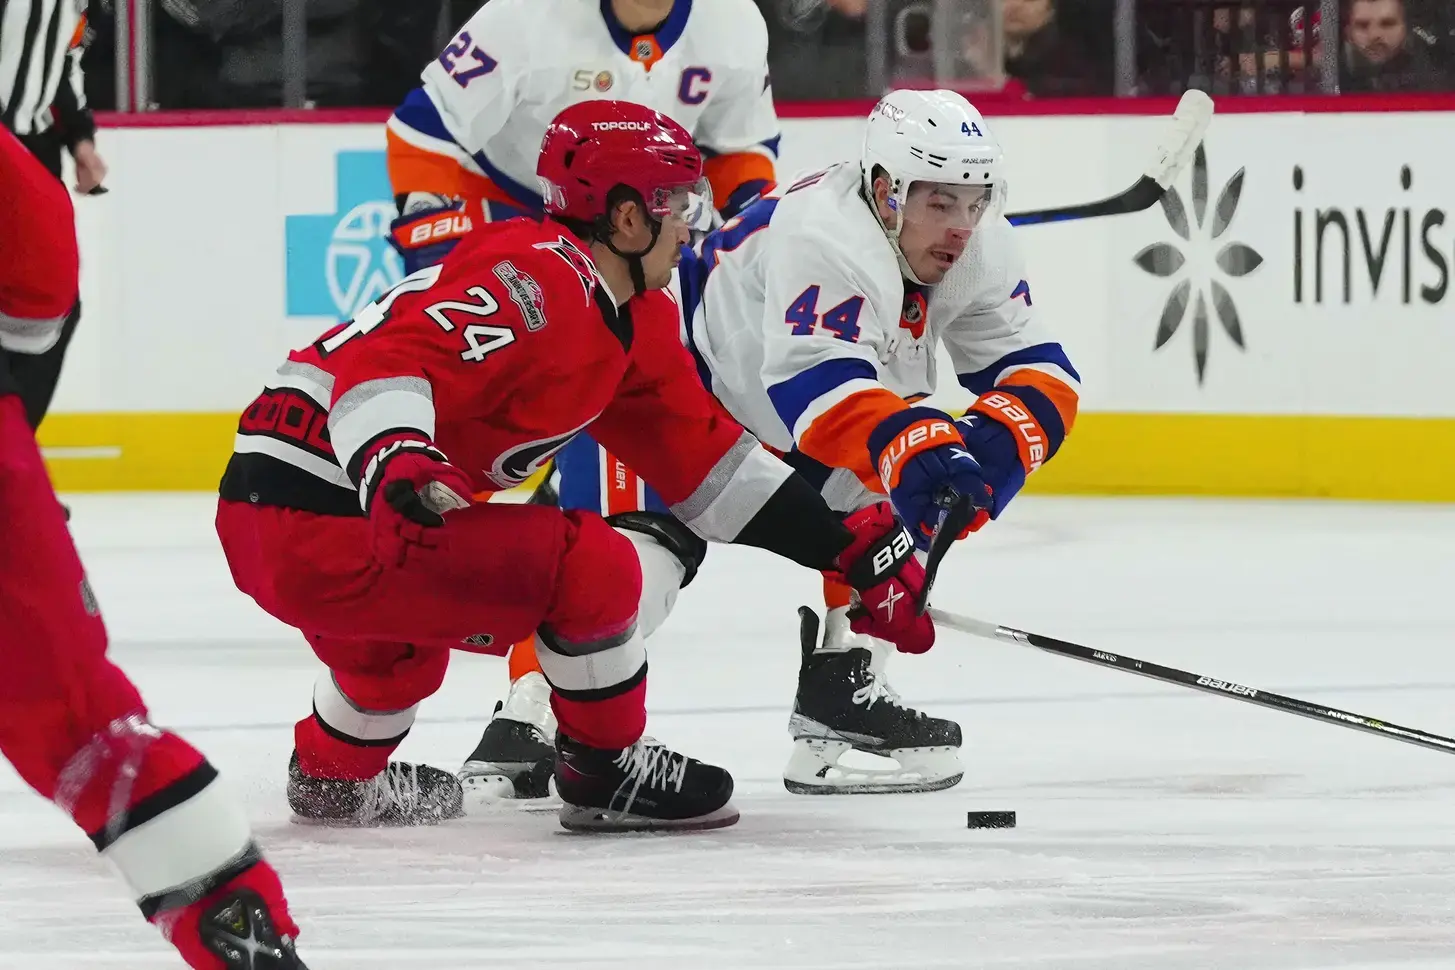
{"type": "Point", "coordinates": [1189, 123]}
{"type": "Point", "coordinates": [1182, 678]}
{"type": "Point", "coordinates": [959, 512]}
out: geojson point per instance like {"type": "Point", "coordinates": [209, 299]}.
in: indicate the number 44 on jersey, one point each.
{"type": "Point", "coordinates": [842, 320]}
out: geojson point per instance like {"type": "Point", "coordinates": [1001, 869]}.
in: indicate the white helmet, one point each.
{"type": "Point", "coordinates": [930, 136]}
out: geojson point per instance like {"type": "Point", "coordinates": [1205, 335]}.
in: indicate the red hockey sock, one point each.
{"type": "Point", "coordinates": [182, 926]}
{"type": "Point", "coordinates": [325, 755]}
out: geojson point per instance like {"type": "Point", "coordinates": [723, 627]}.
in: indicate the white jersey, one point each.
{"type": "Point", "coordinates": [803, 322]}
{"type": "Point", "coordinates": [488, 98]}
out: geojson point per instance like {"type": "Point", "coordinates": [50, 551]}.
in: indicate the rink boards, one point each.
{"type": "Point", "coordinates": [1282, 329]}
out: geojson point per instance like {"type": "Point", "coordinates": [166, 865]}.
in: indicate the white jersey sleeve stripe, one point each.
{"type": "Point", "coordinates": [983, 379]}
{"type": "Point", "coordinates": [366, 411]}
{"type": "Point", "coordinates": [1051, 370]}
{"type": "Point", "coordinates": [809, 393]}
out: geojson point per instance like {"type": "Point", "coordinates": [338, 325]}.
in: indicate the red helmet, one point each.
{"type": "Point", "coordinates": [595, 146]}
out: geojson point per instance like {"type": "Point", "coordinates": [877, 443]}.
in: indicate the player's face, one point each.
{"type": "Point", "coordinates": [936, 225]}
{"type": "Point", "coordinates": [662, 258]}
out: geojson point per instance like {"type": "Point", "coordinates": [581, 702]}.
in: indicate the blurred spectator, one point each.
{"type": "Point", "coordinates": [399, 40]}
{"type": "Point", "coordinates": [211, 54]}
{"type": "Point", "coordinates": [980, 50]}
{"type": "Point", "coordinates": [249, 39]}
{"type": "Point", "coordinates": [228, 53]}
{"type": "Point", "coordinates": [1221, 48]}
{"type": "Point", "coordinates": [1050, 62]}
{"type": "Point", "coordinates": [1383, 54]}
{"type": "Point", "coordinates": [816, 49]}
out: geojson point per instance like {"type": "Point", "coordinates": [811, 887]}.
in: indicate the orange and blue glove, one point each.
{"type": "Point", "coordinates": [427, 229]}
{"type": "Point", "coordinates": [925, 467]}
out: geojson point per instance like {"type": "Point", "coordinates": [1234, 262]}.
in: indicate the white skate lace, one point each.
{"type": "Point", "coordinates": [875, 690]}
{"type": "Point", "coordinates": [651, 764]}
{"type": "Point", "coordinates": [397, 787]}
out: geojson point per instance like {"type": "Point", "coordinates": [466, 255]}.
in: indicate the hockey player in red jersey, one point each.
{"type": "Point", "coordinates": [346, 511]}
{"type": "Point", "coordinates": [71, 723]}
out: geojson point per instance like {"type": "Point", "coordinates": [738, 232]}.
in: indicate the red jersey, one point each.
{"type": "Point", "coordinates": [38, 262]}
{"type": "Point", "coordinates": [500, 355]}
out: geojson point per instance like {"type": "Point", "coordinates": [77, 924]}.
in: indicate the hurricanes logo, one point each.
{"type": "Point", "coordinates": [521, 462]}
{"type": "Point", "coordinates": [1234, 259]}
{"type": "Point", "coordinates": [579, 262]}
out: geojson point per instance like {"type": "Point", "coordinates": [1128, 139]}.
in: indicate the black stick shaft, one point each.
{"type": "Point", "coordinates": [1183, 678]}
{"type": "Point", "coordinates": [1143, 195]}
{"type": "Point", "coordinates": [959, 512]}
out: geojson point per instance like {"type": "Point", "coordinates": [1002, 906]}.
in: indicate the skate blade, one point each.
{"type": "Point", "coordinates": [495, 793]}
{"type": "Point", "coordinates": [508, 780]}
{"type": "Point", "coordinates": [575, 818]}
{"type": "Point", "coordinates": [348, 823]}
{"type": "Point", "coordinates": [817, 768]}
{"type": "Point", "coordinates": [872, 788]}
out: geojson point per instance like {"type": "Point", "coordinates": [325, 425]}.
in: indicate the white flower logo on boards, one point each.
{"type": "Point", "coordinates": [1198, 266]}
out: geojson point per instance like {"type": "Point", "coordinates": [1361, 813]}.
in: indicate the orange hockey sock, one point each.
{"type": "Point", "coordinates": [835, 594]}
{"type": "Point", "coordinates": [523, 659]}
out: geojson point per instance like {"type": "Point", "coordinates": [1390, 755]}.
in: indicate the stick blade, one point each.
{"type": "Point", "coordinates": [1189, 124]}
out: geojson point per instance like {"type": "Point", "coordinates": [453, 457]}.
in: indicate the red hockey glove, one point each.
{"type": "Point", "coordinates": [881, 566]}
{"type": "Point", "coordinates": [407, 484]}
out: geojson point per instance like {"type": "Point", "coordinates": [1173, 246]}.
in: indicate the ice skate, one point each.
{"type": "Point", "coordinates": [515, 757]}
{"type": "Point", "coordinates": [401, 794]}
{"type": "Point", "coordinates": [843, 703]}
{"type": "Point", "coordinates": [239, 929]}
{"type": "Point", "coordinates": [644, 787]}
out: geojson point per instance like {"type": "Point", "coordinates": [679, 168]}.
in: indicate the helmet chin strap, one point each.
{"type": "Point", "coordinates": [634, 260]}
{"type": "Point", "coordinates": [892, 233]}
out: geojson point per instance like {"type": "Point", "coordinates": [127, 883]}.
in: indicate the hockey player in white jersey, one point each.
{"type": "Point", "coordinates": [462, 146]}
{"type": "Point", "coordinates": [815, 316]}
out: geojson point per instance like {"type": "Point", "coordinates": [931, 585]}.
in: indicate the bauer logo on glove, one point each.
{"type": "Point", "coordinates": [911, 441]}
{"type": "Point", "coordinates": [888, 557]}
{"type": "Point", "coordinates": [921, 455]}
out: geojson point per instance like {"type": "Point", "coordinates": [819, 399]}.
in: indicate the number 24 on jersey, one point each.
{"type": "Point", "coordinates": [480, 339]}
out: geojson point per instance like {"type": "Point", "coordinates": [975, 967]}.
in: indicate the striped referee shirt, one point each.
{"type": "Point", "coordinates": [40, 65]}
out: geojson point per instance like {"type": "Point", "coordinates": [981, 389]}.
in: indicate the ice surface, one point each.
{"type": "Point", "coordinates": [1160, 829]}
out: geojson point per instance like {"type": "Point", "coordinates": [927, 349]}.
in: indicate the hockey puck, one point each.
{"type": "Point", "coordinates": [990, 820]}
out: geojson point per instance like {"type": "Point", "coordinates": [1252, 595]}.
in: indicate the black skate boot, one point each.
{"type": "Point", "coordinates": [647, 786]}
{"type": "Point", "coordinates": [401, 794]}
{"type": "Point", "coordinates": [514, 759]}
{"type": "Point", "coordinates": [844, 703]}
{"type": "Point", "coordinates": [240, 931]}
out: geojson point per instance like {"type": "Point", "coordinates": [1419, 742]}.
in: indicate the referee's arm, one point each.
{"type": "Point", "coordinates": [74, 118]}
{"type": "Point", "coordinates": [42, 96]}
